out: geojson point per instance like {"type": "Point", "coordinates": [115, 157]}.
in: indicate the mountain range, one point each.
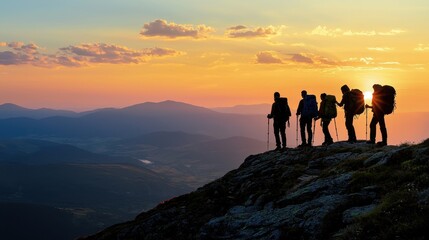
{"type": "Point", "coordinates": [242, 120]}
{"type": "Point", "coordinates": [136, 120]}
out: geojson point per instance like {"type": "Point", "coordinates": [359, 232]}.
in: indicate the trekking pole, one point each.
{"type": "Point", "coordinates": [297, 130]}
{"type": "Point", "coordinates": [366, 124]}
{"type": "Point", "coordinates": [268, 135]}
{"type": "Point", "coordinates": [314, 131]}
{"type": "Point", "coordinates": [336, 130]}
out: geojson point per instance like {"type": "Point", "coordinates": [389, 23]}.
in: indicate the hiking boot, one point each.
{"type": "Point", "coordinates": [370, 142]}
{"type": "Point", "coordinates": [302, 145]}
{"type": "Point", "coordinates": [382, 143]}
{"type": "Point", "coordinates": [277, 148]}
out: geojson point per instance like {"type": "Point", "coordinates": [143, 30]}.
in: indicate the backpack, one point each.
{"type": "Point", "coordinates": [387, 99]}
{"type": "Point", "coordinates": [330, 110]}
{"type": "Point", "coordinates": [283, 108]}
{"type": "Point", "coordinates": [357, 102]}
{"type": "Point", "coordinates": [309, 108]}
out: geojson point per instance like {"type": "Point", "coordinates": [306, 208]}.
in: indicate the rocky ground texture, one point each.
{"type": "Point", "coordinates": [343, 191]}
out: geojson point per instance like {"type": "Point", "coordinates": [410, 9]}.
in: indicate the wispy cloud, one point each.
{"type": "Point", "coordinates": [242, 31]}
{"type": "Point", "coordinates": [303, 59]}
{"type": "Point", "coordinates": [380, 49]}
{"type": "Point", "coordinates": [268, 57]}
{"type": "Point", "coordinates": [308, 60]}
{"type": "Point", "coordinates": [300, 58]}
{"type": "Point", "coordinates": [422, 48]}
{"type": "Point", "coordinates": [164, 29]}
{"type": "Point", "coordinates": [324, 31]}
{"type": "Point", "coordinates": [79, 55]}
{"type": "Point", "coordinates": [336, 32]}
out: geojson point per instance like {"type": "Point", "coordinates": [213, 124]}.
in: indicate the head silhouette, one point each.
{"type": "Point", "coordinates": [276, 95]}
{"type": "Point", "coordinates": [345, 89]}
{"type": "Point", "coordinates": [323, 96]}
{"type": "Point", "coordinates": [303, 93]}
{"type": "Point", "coordinates": [377, 87]}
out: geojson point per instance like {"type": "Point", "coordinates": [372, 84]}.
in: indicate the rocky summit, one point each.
{"type": "Point", "coordinates": [343, 191]}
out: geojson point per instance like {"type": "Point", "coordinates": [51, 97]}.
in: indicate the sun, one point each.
{"type": "Point", "coordinates": [367, 95]}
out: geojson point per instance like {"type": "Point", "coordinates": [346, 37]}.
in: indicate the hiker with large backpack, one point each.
{"type": "Point", "coordinates": [353, 103]}
{"type": "Point", "coordinates": [327, 111]}
{"type": "Point", "coordinates": [280, 112]}
{"type": "Point", "coordinates": [383, 102]}
{"type": "Point", "coordinates": [307, 108]}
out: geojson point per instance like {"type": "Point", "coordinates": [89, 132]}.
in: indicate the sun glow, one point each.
{"type": "Point", "coordinates": [367, 95]}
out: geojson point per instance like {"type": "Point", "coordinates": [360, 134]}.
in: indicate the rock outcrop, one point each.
{"type": "Point", "coordinates": [344, 191]}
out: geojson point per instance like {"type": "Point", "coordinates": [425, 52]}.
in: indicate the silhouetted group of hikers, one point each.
{"type": "Point", "coordinates": [383, 102]}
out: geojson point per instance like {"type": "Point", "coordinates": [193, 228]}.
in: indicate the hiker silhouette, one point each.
{"type": "Point", "coordinates": [327, 111]}
{"type": "Point", "coordinates": [382, 103]}
{"type": "Point", "coordinates": [307, 108]}
{"type": "Point", "coordinates": [280, 112]}
{"type": "Point", "coordinates": [349, 114]}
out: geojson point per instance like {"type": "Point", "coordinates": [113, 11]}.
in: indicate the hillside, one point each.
{"type": "Point", "coordinates": [342, 191]}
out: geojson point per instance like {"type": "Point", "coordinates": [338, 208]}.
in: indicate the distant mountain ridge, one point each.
{"type": "Point", "coordinates": [263, 108]}
{"type": "Point", "coordinates": [136, 120]}
{"type": "Point", "coordinates": [10, 110]}
{"type": "Point", "coordinates": [31, 151]}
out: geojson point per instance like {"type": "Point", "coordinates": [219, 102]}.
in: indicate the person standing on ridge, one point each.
{"type": "Point", "coordinates": [348, 113]}
{"type": "Point", "coordinates": [326, 120]}
{"type": "Point", "coordinates": [307, 108]}
{"type": "Point", "coordinates": [280, 112]}
{"type": "Point", "coordinates": [377, 117]}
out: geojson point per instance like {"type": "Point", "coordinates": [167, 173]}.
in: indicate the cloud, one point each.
{"type": "Point", "coordinates": [336, 32]}
{"type": "Point", "coordinates": [392, 32]}
{"type": "Point", "coordinates": [3, 44]}
{"type": "Point", "coordinates": [12, 58]}
{"type": "Point", "coordinates": [361, 33]}
{"type": "Point", "coordinates": [301, 58]}
{"type": "Point", "coordinates": [238, 27]}
{"type": "Point", "coordinates": [324, 31]}
{"type": "Point", "coordinates": [241, 31]}
{"type": "Point", "coordinates": [308, 60]}
{"type": "Point", "coordinates": [84, 54]}
{"type": "Point", "coordinates": [109, 53]}
{"type": "Point", "coordinates": [267, 57]}
{"type": "Point", "coordinates": [80, 55]}
{"type": "Point", "coordinates": [380, 49]}
{"type": "Point", "coordinates": [422, 48]}
{"type": "Point", "coordinates": [161, 28]}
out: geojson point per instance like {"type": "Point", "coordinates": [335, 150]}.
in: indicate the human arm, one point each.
{"type": "Point", "coordinates": [300, 106]}
{"type": "Point", "coordinates": [271, 115]}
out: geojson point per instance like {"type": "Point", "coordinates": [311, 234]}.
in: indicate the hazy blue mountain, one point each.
{"type": "Point", "coordinates": [137, 120]}
{"type": "Point", "coordinates": [167, 139]}
{"type": "Point", "coordinates": [30, 151]}
{"type": "Point", "coordinates": [9, 110]}
{"type": "Point", "coordinates": [263, 108]}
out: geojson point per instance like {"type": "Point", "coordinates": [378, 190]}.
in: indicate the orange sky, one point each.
{"type": "Point", "coordinates": [212, 55]}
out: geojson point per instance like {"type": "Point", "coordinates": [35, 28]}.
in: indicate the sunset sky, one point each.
{"type": "Point", "coordinates": [88, 54]}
